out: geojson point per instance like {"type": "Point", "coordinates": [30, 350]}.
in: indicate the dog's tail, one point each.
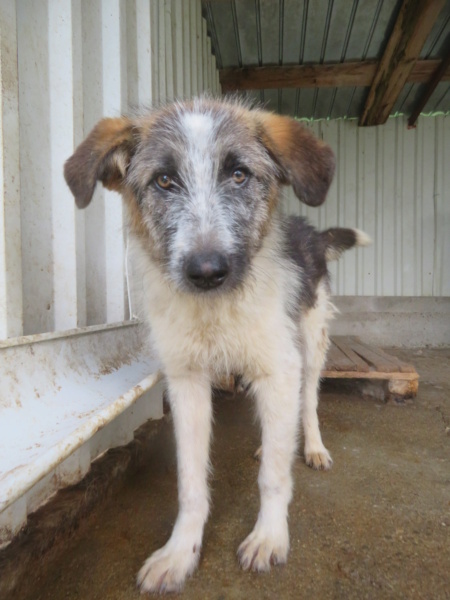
{"type": "Point", "coordinates": [339, 239]}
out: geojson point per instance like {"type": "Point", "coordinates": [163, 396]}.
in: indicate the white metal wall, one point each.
{"type": "Point", "coordinates": [393, 183]}
{"type": "Point", "coordinates": [64, 64]}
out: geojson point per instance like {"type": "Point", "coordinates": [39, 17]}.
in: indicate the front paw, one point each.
{"type": "Point", "coordinates": [259, 551]}
{"type": "Point", "coordinates": [167, 569]}
{"type": "Point", "coordinates": [318, 458]}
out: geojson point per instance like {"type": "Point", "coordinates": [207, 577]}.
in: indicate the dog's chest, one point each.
{"type": "Point", "coordinates": [229, 334]}
{"type": "Point", "coordinates": [209, 336]}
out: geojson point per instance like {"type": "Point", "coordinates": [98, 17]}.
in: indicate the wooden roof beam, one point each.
{"type": "Point", "coordinates": [438, 76]}
{"type": "Point", "coordinates": [411, 29]}
{"type": "Point", "coordinates": [358, 74]}
{"type": "Point", "coordinates": [298, 76]}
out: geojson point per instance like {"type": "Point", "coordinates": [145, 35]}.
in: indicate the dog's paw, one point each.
{"type": "Point", "coordinates": [319, 459]}
{"type": "Point", "coordinates": [167, 569]}
{"type": "Point", "coordinates": [259, 551]}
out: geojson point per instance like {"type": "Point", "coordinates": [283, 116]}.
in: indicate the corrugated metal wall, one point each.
{"type": "Point", "coordinates": [393, 183]}
{"type": "Point", "coordinates": [64, 64]}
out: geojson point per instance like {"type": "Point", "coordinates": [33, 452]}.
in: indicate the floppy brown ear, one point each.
{"type": "Point", "coordinates": [103, 156]}
{"type": "Point", "coordinates": [305, 162]}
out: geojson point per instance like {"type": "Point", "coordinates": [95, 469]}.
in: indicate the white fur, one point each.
{"type": "Point", "coordinates": [314, 336]}
{"type": "Point", "coordinates": [167, 568]}
{"type": "Point", "coordinates": [362, 239]}
{"type": "Point", "coordinates": [334, 253]}
{"type": "Point", "coordinates": [206, 225]}
{"type": "Point", "coordinates": [246, 331]}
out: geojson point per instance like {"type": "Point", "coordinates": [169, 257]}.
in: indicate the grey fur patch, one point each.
{"type": "Point", "coordinates": [204, 210]}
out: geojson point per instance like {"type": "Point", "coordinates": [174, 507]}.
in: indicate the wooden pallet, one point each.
{"type": "Point", "coordinates": [350, 358]}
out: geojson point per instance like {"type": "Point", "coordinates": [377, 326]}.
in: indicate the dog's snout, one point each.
{"type": "Point", "coordinates": [207, 270]}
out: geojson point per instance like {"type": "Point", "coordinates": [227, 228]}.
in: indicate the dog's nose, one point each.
{"type": "Point", "coordinates": [207, 270]}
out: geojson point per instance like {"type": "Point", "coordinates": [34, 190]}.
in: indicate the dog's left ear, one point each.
{"type": "Point", "coordinates": [103, 156]}
{"type": "Point", "coordinates": [305, 162]}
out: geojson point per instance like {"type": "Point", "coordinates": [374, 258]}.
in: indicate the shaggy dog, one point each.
{"type": "Point", "coordinates": [231, 286]}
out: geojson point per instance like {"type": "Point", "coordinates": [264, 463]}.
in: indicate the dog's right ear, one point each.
{"type": "Point", "coordinates": [103, 156]}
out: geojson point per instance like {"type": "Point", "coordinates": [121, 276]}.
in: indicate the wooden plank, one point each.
{"type": "Point", "coordinates": [437, 77]}
{"type": "Point", "coordinates": [402, 367]}
{"type": "Point", "coordinates": [412, 27]}
{"type": "Point", "coordinates": [337, 360]}
{"type": "Point", "coordinates": [380, 363]}
{"type": "Point", "coordinates": [369, 375]}
{"type": "Point", "coordinates": [424, 69]}
{"type": "Point", "coordinates": [344, 344]}
{"type": "Point", "coordinates": [298, 76]}
{"type": "Point", "coordinates": [354, 74]}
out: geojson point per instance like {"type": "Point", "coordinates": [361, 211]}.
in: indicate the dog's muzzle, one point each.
{"type": "Point", "coordinates": [207, 270]}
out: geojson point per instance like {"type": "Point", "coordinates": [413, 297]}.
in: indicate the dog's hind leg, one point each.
{"type": "Point", "coordinates": [314, 332]}
{"type": "Point", "coordinates": [167, 568]}
{"type": "Point", "coordinates": [277, 398]}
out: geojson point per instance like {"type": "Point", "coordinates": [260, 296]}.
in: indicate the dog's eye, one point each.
{"type": "Point", "coordinates": [239, 176]}
{"type": "Point", "coordinates": [164, 182]}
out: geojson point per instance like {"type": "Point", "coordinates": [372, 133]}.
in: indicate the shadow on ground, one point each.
{"type": "Point", "coordinates": [376, 526]}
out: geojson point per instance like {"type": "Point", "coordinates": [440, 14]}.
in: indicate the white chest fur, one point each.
{"type": "Point", "coordinates": [242, 331]}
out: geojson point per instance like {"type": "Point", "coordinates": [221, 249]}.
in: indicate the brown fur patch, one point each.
{"type": "Point", "coordinates": [306, 163]}
{"type": "Point", "coordinates": [135, 222]}
{"type": "Point", "coordinates": [103, 156]}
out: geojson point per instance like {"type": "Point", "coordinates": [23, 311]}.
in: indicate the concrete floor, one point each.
{"type": "Point", "coordinates": [376, 526]}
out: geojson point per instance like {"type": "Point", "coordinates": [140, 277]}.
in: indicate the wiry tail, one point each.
{"type": "Point", "coordinates": [339, 239]}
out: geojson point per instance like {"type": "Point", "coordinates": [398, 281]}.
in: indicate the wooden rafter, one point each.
{"type": "Point", "coordinates": [358, 74]}
{"type": "Point", "coordinates": [298, 76]}
{"type": "Point", "coordinates": [411, 29]}
{"type": "Point", "coordinates": [437, 77]}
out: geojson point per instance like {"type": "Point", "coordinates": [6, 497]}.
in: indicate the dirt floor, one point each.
{"type": "Point", "coordinates": [376, 526]}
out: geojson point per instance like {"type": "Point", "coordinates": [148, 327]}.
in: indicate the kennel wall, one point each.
{"type": "Point", "coordinates": [393, 183]}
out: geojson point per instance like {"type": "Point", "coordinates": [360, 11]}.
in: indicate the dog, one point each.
{"type": "Point", "coordinates": [231, 286]}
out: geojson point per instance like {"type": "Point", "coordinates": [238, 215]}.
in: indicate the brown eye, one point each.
{"type": "Point", "coordinates": [239, 176]}
{"type": "Point", "coordinates": [164, 182]}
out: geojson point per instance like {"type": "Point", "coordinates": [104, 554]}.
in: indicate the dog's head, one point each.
{"type": "Point", "coordinates": [201, 180]}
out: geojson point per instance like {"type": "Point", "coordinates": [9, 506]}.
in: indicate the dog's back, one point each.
{"type": "Point", "coordinates": [311, 250]}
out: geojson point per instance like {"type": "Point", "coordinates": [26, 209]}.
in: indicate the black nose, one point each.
{"type": "Point", "coordinates": [207, 270]}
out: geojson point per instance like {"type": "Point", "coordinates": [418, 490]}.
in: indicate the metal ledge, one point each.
{"type": "Point", "coordinates": [58, 392]}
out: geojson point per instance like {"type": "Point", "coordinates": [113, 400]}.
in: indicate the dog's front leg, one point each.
{"type": "Point", "coordinates": [167, 568]}
{"type": "Point", "coordinates": [278, 399]}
